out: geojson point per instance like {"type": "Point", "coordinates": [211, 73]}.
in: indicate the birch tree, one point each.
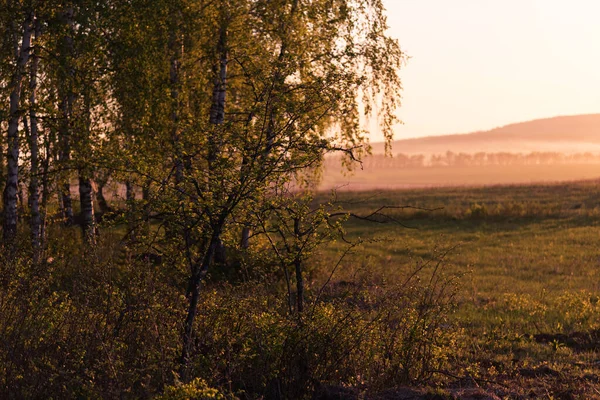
{"type": "Point", "coordinates": [65, 83]}
{"type": "Point", "coordinates": [34, 195]}
{"type": "Point", "coordinates": [21, 54]}
{"type": "Point", "coordinates": [79, 72]}
{"type": "Point", "coordinates": [295, 76]}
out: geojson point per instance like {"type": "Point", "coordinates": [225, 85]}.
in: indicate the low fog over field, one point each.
{"type": "Point", "coordinates": [546, 150]}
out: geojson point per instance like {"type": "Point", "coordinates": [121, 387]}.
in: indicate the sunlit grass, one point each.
{"type": "Point", "coordinates": [528, 257]}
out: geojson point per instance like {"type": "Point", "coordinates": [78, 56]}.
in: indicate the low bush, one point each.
{"type": "Point", "coordinates": [105, 325]}
{"type": "Point", "coordinates": [368, 337]}
{"type": "Point", "coordinates": [85, 327]}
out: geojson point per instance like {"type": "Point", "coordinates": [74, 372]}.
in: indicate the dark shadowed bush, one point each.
{"type": "Point", "coordinates": [368, 337]}
{"type": "Point", "coordinates": [85, 327]}
{"type": "Point", "coordinates": [107, 324]}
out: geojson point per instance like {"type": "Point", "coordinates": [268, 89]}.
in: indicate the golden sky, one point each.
{"type": "Point", "coordinates": [479, 64]}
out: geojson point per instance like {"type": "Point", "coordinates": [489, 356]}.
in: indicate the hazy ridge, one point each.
{"type": "Point", "coordinates": [567, 134]}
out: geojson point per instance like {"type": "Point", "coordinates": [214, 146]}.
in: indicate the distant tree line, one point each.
{"type": "Point", "coordinates": [452, 159]}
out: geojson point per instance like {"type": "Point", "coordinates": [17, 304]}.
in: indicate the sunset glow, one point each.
{"type": "Point", "coordinates": [481, 64]}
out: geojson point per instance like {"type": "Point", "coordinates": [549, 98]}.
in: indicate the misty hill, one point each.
{"type": "Point", "coordinates": [566, 134]}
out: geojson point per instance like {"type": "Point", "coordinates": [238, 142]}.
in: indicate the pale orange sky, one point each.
{"type": "Point", "coordinates": [479, 64]}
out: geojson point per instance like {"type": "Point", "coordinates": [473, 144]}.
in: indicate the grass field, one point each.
{"type": "Point", "coordinates": [524, 322]}
{"type": "Point", "coordinates": [528, 258]}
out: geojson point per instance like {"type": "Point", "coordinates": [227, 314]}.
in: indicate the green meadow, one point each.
{"type": "Point", "coordinates": [440, 293]}
{"type": "Point", "coordinates": [526, 262]}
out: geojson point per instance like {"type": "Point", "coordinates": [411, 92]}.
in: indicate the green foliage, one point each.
{"type": "Point", "coordinates": [376, 336]}
{"type": "Point", "coordinates": [214, 110]}
{"type": "Point", "coordinates": [197, 389]}
{"type": "Point", "coordinates": [107, 324]}
{"type": "Point", "coordinates": [477, 211]}
{"type": "Point", "coordinates": [85, 326]}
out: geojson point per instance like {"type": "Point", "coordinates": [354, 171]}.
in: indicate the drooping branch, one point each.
{"type": "Point", "coordinates": [378, 216]}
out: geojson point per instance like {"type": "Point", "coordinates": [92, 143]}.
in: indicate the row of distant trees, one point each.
{"type": "Point", "coordinates": [451, 159]}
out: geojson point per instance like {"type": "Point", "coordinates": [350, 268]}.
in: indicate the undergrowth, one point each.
{"type": "Point", "coordinates": [108, 325]}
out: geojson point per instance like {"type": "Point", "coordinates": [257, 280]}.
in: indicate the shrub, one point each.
{"type": "Point", "coordinates": [85, 327]}
{"type": "Point", "coordinates": [478, 211]}
{"type": "Point", "coordinates": [195, 390]}
{"type": "Point", "coordinates": [373, 336]}
{"type": "Point", "coordinates": [108, 325]}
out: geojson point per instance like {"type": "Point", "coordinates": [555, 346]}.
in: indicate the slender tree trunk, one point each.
{"type": "Point", "coordinates": [176, 53]}
{"type": "Point", "coordinates": [101, 179]}
{"type": "Point", "coordinates": [34, 196]}
{"type": "Point", "coordinates": [245, 241]}
{"type": "Point", "coordinates": [129, 193]}
{"type": "Point", "coordinates": [146, 192]}
{"type": "Point", "coordinates": [11, 188]}
{"type": "Point", "coordinates": [217, 109]}
{"type": "Point", "coordinates": [2, 160]}
{"type": "Point", "coordinates": [299, 285]}
{"type": "Point", "coordinates": [130, 198]}
{"type": "Point", "coordinates": [298, 268]}
{"type": "Point", "coordinates": [174, 82]}
{"type": "Point", "coordinates": [217, 117]}
{"type": "Point", "coordinates": [21, 195]}
{"type": "Point", "coordinates": [66, 201]}
{"type": "Point", "coordinates": [102, 203]}
{"type": "Point", "coordinates": [86, 198]}
{"type": "Point", "coordinates": [2, 157]}
{"type": "Point", "coordinates": [68, 98]}
{"type": "Point", "coordinates": [87, 208]}
{"type": "Point", "coordinates": [194, 287]}
{"type": "Point", "coordinates": [193, 293]}
{"type": "Point", "coordinates": [146, 208]}
{"type": "Point", "coordinates": [45, 190]}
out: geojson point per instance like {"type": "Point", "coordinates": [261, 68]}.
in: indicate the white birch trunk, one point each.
{"type": "Point", "coordinates": [217, 109]}
{"type": "Point", "coordinates": [245, 241]}
{"type": "Point", "coordinates": [87, 209]}
{"type": "Point", "coordinates": [34, 196]}
{"type": "Point", "coordinates": [217, 117]}
{"type": "Point", "coordinates": [12, 179]}
{"type": "Point", "coordinates": [45, 187]}
{"type": "Point", "coordinates": [68, 98]}
{"type": "Point", "coordinates": [86, 198]}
